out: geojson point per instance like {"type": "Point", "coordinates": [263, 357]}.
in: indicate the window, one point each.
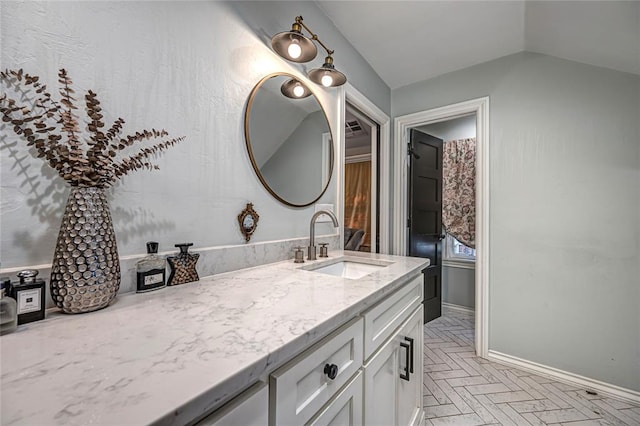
{"type": "Point", "coordinates": [454, 249]}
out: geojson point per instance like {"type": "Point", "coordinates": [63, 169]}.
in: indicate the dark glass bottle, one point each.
{"type": "Point", "coordinates": [29, 296]}
{"type": "Point", "coordinates": [151, 270]}
{"type": "Point", "coordinates": [183, 266]}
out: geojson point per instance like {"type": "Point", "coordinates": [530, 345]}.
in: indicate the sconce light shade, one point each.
{"type": "Point", "coordinates": [327, 75]}
{"type": "Point", "coordinates": [294, 89]}
{"type": "Point", "coordinates": [293, 45]}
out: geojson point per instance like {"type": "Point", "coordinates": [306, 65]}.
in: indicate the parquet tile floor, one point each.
{"type": "Point", "coordinates": [462, 389]}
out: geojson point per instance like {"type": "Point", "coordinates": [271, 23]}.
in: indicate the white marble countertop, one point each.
{"type": "Point", "coordinates": [168, 356]}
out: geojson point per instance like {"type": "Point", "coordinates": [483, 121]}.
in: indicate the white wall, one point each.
{"type": "Point", "coordinates": [564, 209]}
{"type": "Point", "coordinates": [187, 67]}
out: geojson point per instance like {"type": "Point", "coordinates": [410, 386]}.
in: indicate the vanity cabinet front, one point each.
{"type": "Point", "coordinates": [368, 372]}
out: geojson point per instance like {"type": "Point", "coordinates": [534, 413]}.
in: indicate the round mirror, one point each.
{"type": "Point", "coordinates": [289, 140]}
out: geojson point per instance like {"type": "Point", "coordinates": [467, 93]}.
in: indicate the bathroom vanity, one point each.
{"type": "Point", "coordinates": [333, 341]}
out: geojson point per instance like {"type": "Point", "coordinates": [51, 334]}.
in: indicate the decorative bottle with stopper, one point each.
{"type": "Point", "coordinates": [183, 265]}
{"type": "Point", "coordinates": [151, 271]}
{"type": "Point", "coordinates": [29, 294]}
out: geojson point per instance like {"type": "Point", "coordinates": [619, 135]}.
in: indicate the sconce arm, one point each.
{"type": "Point", "coordinates": [313, 35]}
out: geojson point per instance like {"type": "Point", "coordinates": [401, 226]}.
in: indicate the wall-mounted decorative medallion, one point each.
{"type": "Point", "coordinates": [248, 221]}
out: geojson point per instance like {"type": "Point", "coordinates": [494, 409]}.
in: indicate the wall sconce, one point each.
{"type": "Point", "coordinates": [296, 47]}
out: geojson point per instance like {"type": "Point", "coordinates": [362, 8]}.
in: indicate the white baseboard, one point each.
{"type": "Point", "coordinates": [458, 308]}
{"type": "Point", "coordinates": [607, 389]}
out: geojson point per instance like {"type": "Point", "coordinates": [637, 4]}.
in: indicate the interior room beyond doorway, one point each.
{"type": "Point", "coordinates": [360, 182]}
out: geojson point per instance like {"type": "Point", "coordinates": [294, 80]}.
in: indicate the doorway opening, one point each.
{"type": "Point", "coordinates": [403, 126]}
{"type": "Point", "coordinates": [361, 176]}
{"type": "Point", "coordinates": [442, 211]}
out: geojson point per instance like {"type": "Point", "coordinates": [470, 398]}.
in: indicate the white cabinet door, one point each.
{"type": "Point", "coordinates": [393, 378]}
{"type": "Point", "coordinates": [410, 384]}
{"type": "Point", "coordinates": [381, 385]}
{"type": "Point", "coordinates": [250, 408]}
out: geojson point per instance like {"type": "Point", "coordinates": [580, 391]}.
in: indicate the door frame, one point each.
{"type": "Point", "coordinates": [354, 97]}
{"type": "Point", "coordinates": [402, 124]}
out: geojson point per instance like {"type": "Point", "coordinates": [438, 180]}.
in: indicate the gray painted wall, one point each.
{"type": "Point", "coordinates": [187, 67]}
{"type": "Point", "coordinates": [565, 209]}
{"type": "Point", "coordinates": [458, 286]}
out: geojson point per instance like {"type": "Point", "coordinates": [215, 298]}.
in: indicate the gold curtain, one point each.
{"type": "Point", "coordinates": [459, 190]}
{"type": "Point", "coordinates": [357, 198]}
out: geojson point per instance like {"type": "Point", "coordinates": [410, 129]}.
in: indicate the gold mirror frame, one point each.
{"type": "Point", "coordinates": [247, 139]}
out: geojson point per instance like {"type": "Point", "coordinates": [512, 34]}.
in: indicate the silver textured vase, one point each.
{"type": "Point", "coordinates": [85, 275]}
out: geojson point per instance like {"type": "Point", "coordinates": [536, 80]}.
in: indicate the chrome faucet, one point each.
{"type": "Point", "coordinates": [311, 252]}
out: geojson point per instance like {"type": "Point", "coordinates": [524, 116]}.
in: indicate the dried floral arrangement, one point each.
{"type": "Point", "coordinates": [83, 158]}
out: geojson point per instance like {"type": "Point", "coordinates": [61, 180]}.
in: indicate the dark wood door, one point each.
{"type": "Point", "coordinates": [425, 215]}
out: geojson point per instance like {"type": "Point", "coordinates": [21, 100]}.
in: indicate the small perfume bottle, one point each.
{"type": "Point", "coordinates": [183, 265]}
{"type": "Point", "coordinates": [29, 295]}
{"type": "Point", "coordinates": [8, 309]}
{"type": "Point", "coordinates": [151, 271]}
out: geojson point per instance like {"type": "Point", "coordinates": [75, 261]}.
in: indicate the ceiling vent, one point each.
{"type": "Point", "coordinates": [353, 129]}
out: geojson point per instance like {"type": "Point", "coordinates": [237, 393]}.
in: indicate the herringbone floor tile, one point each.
{"type": "Point", "coordinates": [463, 389]}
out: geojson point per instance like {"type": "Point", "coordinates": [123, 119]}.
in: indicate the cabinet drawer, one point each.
{"type": "Point", "coordinates": [345, 408]}
{"type": "Point", "coordinates": [301, 387]}
{"type": "Point", "coordinates": [250, 408]}
{"type": "Point", "coordinates": [381, 321]}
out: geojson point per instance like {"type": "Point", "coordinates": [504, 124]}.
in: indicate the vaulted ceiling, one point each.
{"type": "Point", "coordinates": [410, 41]}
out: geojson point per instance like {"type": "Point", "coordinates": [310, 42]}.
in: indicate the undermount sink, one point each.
{"type": "Point", "coordinates": [351, 268]}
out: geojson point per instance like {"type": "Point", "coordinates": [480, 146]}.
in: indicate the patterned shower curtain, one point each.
{"type": "Point", "coordinates": [459, 190]}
